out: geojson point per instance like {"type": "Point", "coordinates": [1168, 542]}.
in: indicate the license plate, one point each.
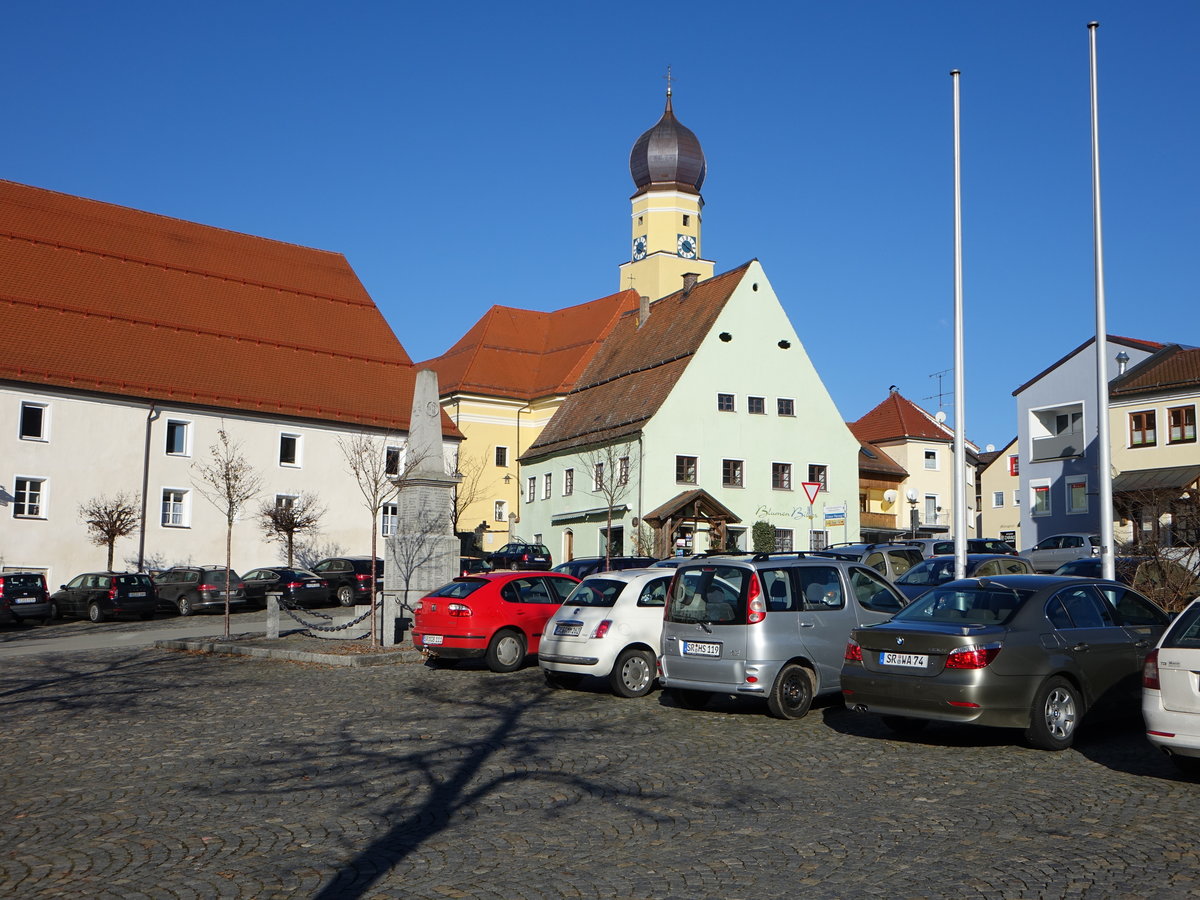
{"type": "Point", "coordinates": [568, 630]}
{"type": "Point", "coordinates": [137, 593]}
{"type": "Point", "coordinates": [27, 599]}
{"type": "Point", "coordinates": [431, 639]}
{"type": "Point", "coordinates": [697, 648]}
{"type": "Point", "coordinates": [311, 586]}
{"type": "Point", "coordinates": [908, 660]}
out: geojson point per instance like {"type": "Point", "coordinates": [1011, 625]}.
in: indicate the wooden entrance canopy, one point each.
{"type": "Point", "coordinates": [690, 507]}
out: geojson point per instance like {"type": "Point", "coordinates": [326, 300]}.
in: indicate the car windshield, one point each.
{"type": "Point", "coordinates": [930, 572]}
{"type": "Point", "coordinates": [710, 594]}
{"type": "Point", "coordinates": [964, 606]}
{"type": "Point", "coordinates": [22, 580]}
{"type": "Point", "coordinates": [459, 588]}
{"type": "Point", "coordinates": [132, 580]}
{"type": "Point", "coordinates": [595, 592]}
{"type": "Point", "coordinates": [1185, 631]}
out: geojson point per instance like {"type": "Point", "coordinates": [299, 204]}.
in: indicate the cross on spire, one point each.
{"type": "Point", "coordinates": [668, 77]}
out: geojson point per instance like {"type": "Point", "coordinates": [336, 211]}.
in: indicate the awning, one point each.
{"type": "Point", "coordinates": [1175, 478]}
{"type": "Point", "coordinates": [597, 514]}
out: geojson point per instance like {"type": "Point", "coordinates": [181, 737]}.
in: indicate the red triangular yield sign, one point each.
{"type": "Point", "coordinates": [811, 488]}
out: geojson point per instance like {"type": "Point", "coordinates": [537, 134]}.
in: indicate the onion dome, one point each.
{"type": "Point", "coordinates": [667, 154]}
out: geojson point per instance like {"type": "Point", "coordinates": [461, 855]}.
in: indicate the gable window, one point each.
{"type": "Point", "coordinates": [598, 477]}
{"type": "Point", "coordinates": [731, 472]}
{"type": "Point", "coordinates": [1182, 423]}
{"type": "Point", "coordinates": [29, 498]}
{"type": "Point", "coordinates": [781, 477]}
{"type": "Point", "coordinates": [623, 470]}
{"type": "Point", "coordinates": [756, 406]}
{"type": "Point", "coordinates": [33, 422]}
{"type": "Point", "coordinates": [500, 513]}
{"type": "Point", "coordinates": [174, 508]}
{"type": "Point", "coordinates": [178, 433]}
{"type": "Point", "coordinates": [530, 488]}
{"type": "Point", "coordinates": [931, 459]}
{"type": "Point", "coordinates": [1077, 501]}
{"type": "Point", "coordinates": [819, 475]}
{"type": "Point", "coordinates": [1142, 429]}
{"type": "Point", "coordinates": [389, 519]}
{"type": "Point", "coordinates": [502, 457]}
{"type": "Point", "coordinates": [685, 470]}
{"type": "Point", "coordinates": [997, 499]}
{"type": "Point", "coordinates": [785, 406]}
{"type": "Point", "coordinates": [568, 482]}
{"type": "Point", "coordinates": [725, 403]}
{"type": "Point", "coordinates": [547, 485]}
{"type": "Point", "coordinates": [391, 463]}
{"type": "Point", "coordinates": [289, 449]}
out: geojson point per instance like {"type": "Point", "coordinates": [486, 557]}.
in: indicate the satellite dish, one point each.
{"type": "Point", "coordinates": [941, 417]}
{"type": "Point", "coordinates": [990, 448]}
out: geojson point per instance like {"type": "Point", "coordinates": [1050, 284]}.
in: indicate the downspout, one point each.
{"type": "Point", "coordinates": [517, 460]}
{"type": "Point", "coordinates": [151, 415]}
{"type": "Point", "coordinates": [641, 461]}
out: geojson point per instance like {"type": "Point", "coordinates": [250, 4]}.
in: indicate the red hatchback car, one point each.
{"type": "Point", "coordinates": [498, 616]}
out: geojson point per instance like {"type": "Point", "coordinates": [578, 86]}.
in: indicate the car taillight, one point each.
{"type": "Point", "coordinates": [292, 584]}
{"type": "Point", "coordinates": [418, 607]}
{"type": "Point", "coordinates": [363, 576]}
{"type": "Point", "coordinates": [853, 652]}
{"type": "Point", "coordinates": [756, 605]}
{"type": "Point", "coordinates": [972, 657]}
{"type": "Point", "coordinates": [602, 628]}
{"type": "Point", "coordinates": [1150, 671]}
{"type": "Point", "coordinates": [112, 592]}
{"type": "Point", "coordinates": [458, 609]}
{"type": "Point", "coordinates": [208, 587]}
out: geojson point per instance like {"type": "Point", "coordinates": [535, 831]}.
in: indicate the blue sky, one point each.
{"type": "Point", "coordinates": [467, 154]}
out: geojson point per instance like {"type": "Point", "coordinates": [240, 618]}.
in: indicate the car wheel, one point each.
{"type": "Point", "coordinates": [689, 699]}
{"type": "Point", "coordinates": [184, 603]}
{"type": "Point", "coordinates": [560, 679]}
{"type": "Point", "coordinates": [1056, 714]}
{"type": "Point", "coordinates": [345, 596]}
{"type": "Point", "coordinates": [95, 613]}
{"type": "Point", "coordinates": [633, 673]}
{"type": "Point", "coordinates": [506, 652]}
{"type": "Point", "coordinates": [53, 615]}
{"type": "Point", "coordinates": [792, 694]}
{"type": "Point", "coordinates": [904, 726]}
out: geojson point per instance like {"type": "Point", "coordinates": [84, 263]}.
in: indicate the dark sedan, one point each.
{"type": "Point", "coordinates": [1035, 652]}
{"type": "Point", "coordinates": [1162, 580]}
{"type": "Point", "coordinates": [107, 595]}
{"type": "Point", "coordinates": [938, 570]}
{"type": "Point", "coordinates": [297, 587]}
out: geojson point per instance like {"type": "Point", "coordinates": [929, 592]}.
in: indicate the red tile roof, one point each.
{"type": "Point", "coordinates": [523, 354]}
{"type": "Point", "coordinates": [872, 460]}
{"type": "Point", "coordinates": [635, 368]}
{"type": "Point", "coordinates": [126, 302]}
{"type": "Point", "coordinates": [897, 418]}
{"type": "Point", "coordinates": [1172, 368]}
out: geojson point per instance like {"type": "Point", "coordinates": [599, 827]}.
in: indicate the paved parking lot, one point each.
{"type": "Point", "coordinates": [144, 773]}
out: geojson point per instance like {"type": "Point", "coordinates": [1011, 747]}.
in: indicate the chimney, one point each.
{"type": "Point", "coordinates": [689, 282]}
{"type": "Point", "coordinates": [643, 310]}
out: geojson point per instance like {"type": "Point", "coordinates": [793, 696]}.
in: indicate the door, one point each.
{"type": "Point", "coordinates": [1102, 651]}
{"type": "Point", "coordinates": [704, 632]}
{"type": "Point", "coordinates": [824, 621]}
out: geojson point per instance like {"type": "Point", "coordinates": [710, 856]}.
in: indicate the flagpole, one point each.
{"type": "Point", "coordinates": [959, 496]}
{"type": "Point", "coordinates": [1104, 475]}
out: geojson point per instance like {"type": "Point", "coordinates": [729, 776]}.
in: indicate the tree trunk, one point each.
{"type": "Point", "coordinates": [228, 560]}
{"type": "Point", "coordinates": [111, 543]}
{"type": "Point", "coordinates": [374, 556]}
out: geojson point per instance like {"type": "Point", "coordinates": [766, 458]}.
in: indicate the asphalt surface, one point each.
{"type": "Point", "coordinates": [146, 773]}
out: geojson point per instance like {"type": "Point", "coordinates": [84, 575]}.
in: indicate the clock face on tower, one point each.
{"type": "Point", "coordinates": [639, 247]}
{"type": "Point", "coordinates": [686, 246]}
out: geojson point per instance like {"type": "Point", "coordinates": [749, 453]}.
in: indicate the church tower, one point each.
{"type": "Point", "coordinates": [668, 169]}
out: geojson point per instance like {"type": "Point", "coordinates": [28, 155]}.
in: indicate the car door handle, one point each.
{"type": "Point", "coordinates": [808, 625]}
{"type": "Point", "coordinates": [1081, 646]}
{"type": "Point", "coordinates": [1142, 645]}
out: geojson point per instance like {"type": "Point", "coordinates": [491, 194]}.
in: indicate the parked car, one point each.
{"type": "Point", "coordinates": [610, 626]}
{"type": "Point", "coordinates": [349, 577]}
{"type": "Point", "coordinates": [297, 587]}
{"type": "Point", "coordinates": [24, 597]}
{"type": "Point", "coordinates": [945, 546]}
{"type": "Point", "coordinates": [1035, 652]}
{"type": "Point", "coordinates": [521, 555]}
{"type": "Point", "coordinates": [1171, 692]}
{"type": "Point", "coordinates": [469, 565]}
{"type": "Point", "coordinates": [937, 570]}
{"type": "Point", "coordinates": [498, 616]}
{"type": "Point", "coordinates": [107, 595]}
{"type": "Point", "coordinates": [889, 560]}
{"type": "Point", "coordinates": [1050, 553]}
{"type": "Point", "coordinates": [189, 589]}
{"type": "Point", "coordinates": [771, 626]}
{"type": "Point", "coordinates": [1164, 581]}
{"type": "Point", "coordinates": [583, 566]}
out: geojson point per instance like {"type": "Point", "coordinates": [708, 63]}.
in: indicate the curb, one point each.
{"type": "Point", "coordinates": [355, 660]}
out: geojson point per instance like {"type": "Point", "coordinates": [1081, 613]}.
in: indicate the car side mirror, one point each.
{"type": "Point", "coordinates": [62, 587]}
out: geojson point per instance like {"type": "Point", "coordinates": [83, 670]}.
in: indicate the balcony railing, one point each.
{"type": "Point", "coordinates": [1059, 446]}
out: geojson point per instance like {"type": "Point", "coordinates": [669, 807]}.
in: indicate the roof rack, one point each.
{"type": "Point", "coordinates": [759, 557]}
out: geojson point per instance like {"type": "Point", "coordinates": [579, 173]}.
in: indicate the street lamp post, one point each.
{"type": "Point", "coordinates": [913, 519]}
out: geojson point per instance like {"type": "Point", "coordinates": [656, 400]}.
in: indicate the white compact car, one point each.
{"type": "Point", "coordinates": [1171, 691]}
{"type": "Point", "coordinates": [610, 626]}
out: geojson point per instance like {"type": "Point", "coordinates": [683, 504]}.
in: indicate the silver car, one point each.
{"type": "Point", "coordinates": [1050, 553]}
{"type": "Point", "coordinates": [771, 626]}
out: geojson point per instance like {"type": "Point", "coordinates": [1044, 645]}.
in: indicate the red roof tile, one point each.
{"type": "Point", "coordinates": [1171, 368]}
{"type": "Point", "coordinates": [1149, 346]}
{"type": "Point", "coordinates": [896, 418]}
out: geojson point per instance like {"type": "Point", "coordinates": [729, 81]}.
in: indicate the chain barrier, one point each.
{"type": "Point", "coordinates": [287, 607]}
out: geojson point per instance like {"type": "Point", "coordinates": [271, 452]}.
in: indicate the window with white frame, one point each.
{"type": "Point", "coordinates": [1016, 498]}
{"type": "Point", "coordinates": [178, 435]}
{"type": "Point", "coordinates": [29, 498]}
{"type": "Point", "coordinates": [547, 485]}
{"type": "Point", "coordinates": [1181, 422]}
{"type": "Point", "coordinates": [598, 477]}
{"type": "Point", "coordinates": [289, 450]}
{"type": "Point", "coordinates": [685, 470]}
{"type": "Point", "coordinates": [1077, 499]}
{"type": "Point", "coordinates": [756, 406]}
{"type": "Point", "coordinates": [931, 509]}
{"type": "Point", "coordinates": [731, 472]}
{"type": "Point", "coordinates": [725, 403]}
{"type": "Point", "coordinates": [784, 540]}
{"type": "Point", "coordinates": [623, 470]}
{"type": "Point", "coordinates": [34, 421]}
{"type": "Point", "coordinates": [285, 501]}
{"type": "Point", "coordinates": [785, 406]}
{"type": "Point", "coordinates": [174, 508]}
{"type": "Point", "coordinates": [568, 482]}
{"type": "Point", "coordinates": [819, 475]}
{"type": "Point", "coordinates": [931, 460]}
{"type": "Point", "coordinates": [391, 462]}
{"type": "Point", "coordinates": [530, 488]}
{"type": "Point", "coordinates": [818, 540]}
{"type": "Point", "coordinates": [781, 476]}
{"type": "Point", "coordinates": [1142, 428]}
{"type": "Point", "coordinates": [1039, 498]}
{"type": "Point", "coordinates": [997, 499]}
{"type": "Point", "coordinates": [389, 519]}
{"type": "Point", "coordinates": [500, 513]}
{"type": "Point", "coordinates": [502, 457]}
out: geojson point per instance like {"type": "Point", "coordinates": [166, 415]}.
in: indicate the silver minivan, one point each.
{"type": "Point", "coordinates": [768, 625]}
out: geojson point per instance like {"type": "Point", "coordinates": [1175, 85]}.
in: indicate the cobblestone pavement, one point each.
{"type": "Point", "coordinates": [156, 774]}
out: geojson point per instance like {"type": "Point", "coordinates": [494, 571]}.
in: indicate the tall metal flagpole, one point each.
{"type": "Point", "coordinates": [959, 496]}
{"type": "Point", "coordinates": [1107, 557]}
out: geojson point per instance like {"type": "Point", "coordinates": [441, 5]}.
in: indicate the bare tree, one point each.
{"type": "Point", "coordinates": [414, 547]}
{"type": "Point", "coordinates": [379, 469]}
{"type": "Point", "coordinates": [228, 482]}
{"type": "Point", "coordinates": [1164, 545]}
{"type": "Point", "coordinates": [289, 518]}
{"type": "Point", "coordinates": [310, 551]}
{"type": "Point", "coordinates": [111, 518]}
{"type": "Point", "coordinates": [611, 471]}
{"type": "Point", "coordinates": [471, 489]}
